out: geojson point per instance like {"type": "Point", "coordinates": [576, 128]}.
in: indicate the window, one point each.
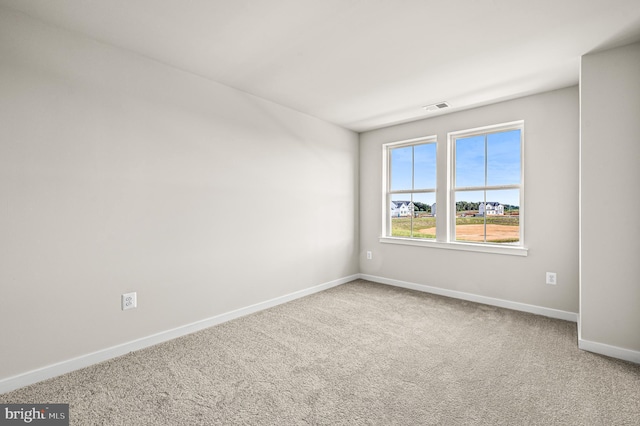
{"type": "Point", "coordinates": [480, 205]}
{"type": "Point", "coordinates": [410, 188]}
{"type": "Point", "coordinates": [486, 185]}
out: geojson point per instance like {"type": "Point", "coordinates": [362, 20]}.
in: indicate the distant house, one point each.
{"type": "Point", "coordinates": [492, 209]}
{"type": "Point", "coordinates": [401, 208]}
{"type": "Point", "coordinates": [433, 209]}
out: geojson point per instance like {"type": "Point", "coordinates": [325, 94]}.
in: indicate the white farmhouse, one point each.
{"type": "Point", "coordinates": [492, 209]}
{"type": "Point", "coordinates": [401, 208]}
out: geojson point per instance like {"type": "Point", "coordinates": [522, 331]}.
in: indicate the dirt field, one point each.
{"type": "Point", "coordinates": [476, 232]}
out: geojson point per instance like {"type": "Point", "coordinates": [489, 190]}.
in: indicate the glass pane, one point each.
{"type": "Point", "coordinates": [401, 168]}
{"type": "Point", "coordinates": [424, 222]}
{"type": "Point", "coordinates": [424, 166]}
{"type": "Point", "coordinates": [470, 161]}
{"type": "Point", "coordinates": [401, 212]}
{"type": "Point", "coordinates": [503, 158]}
{"type": "Point", "coordinates": [502, 213]}
{"type": "Point", "coordinates": [469, 220]}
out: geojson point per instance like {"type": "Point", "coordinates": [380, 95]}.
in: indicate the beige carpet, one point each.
{"type": "Point", "coordinates": [360, 353]}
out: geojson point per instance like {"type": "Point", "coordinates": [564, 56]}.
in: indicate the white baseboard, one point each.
{"type": "Point", "coordinates": [539, 310]}
{"type": "Point", "coordinates": [608, 350]}
{"type": "Point", "coordinates": [53, 370]}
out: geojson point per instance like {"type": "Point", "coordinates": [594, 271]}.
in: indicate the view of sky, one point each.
{"type": "Point", "coordinates": [423, 158]}
{"type": "Point", "coordinates": [500, 166]}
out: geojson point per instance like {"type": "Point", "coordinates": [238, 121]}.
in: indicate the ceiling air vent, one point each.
{"type": "Point", "coordinates": [436, 107]}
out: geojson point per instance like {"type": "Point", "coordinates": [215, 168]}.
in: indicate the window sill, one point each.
{"type": "Point", "coordinates": [482, 248]}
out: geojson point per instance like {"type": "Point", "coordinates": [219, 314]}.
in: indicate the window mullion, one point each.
{"type": "Point", "coordinates": [486, 182]}
{"type": "Point", "coordinates": [413, 185]}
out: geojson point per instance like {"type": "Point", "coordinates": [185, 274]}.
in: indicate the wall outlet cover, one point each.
{"type": "Point", "coordinates": [129, 301]}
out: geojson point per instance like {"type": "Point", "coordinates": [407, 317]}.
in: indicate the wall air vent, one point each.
{"type": "Point", "coordinates": [436, 106]}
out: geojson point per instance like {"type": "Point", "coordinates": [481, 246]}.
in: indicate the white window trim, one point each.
{"type": "Point", "coordinates": [457, 245]}
{"type": "Point", "coordinates": [447, 243]}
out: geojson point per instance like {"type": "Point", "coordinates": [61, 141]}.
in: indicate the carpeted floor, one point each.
{"type": "Point", "coordinates": [360, 353]}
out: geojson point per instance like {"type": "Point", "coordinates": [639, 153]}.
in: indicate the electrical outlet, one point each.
{"type": "Point", "coordinates": [551, 278]}
{"type": "Point", "coordinates": [129, 301]}
{"type": "Point", "coordinates": [369, 255]}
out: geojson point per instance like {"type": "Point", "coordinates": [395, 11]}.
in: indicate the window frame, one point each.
{"type": "Point", "coordinates": [451, 175]}
{"type": "Point", "coordinates": [387, 193]}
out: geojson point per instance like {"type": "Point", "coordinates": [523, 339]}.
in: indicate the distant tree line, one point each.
{"type": "Point", "coordinates": [421, 207]}
{"type": "Point", "coordinates": [462, 206]}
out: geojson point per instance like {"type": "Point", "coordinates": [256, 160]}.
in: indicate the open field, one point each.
{"type": "Point", "coordinates": [500, 229]}
{"type": "Point", "coordinates": [495, 233]}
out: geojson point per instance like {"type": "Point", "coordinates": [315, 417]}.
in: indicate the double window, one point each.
{"type": "Point", "coordinates": [481, 202]}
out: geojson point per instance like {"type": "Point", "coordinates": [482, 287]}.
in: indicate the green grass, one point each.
{"type": "Point", "coordinates": [401, 226]}
{"type": "Point", "coordinates": [495, 220]}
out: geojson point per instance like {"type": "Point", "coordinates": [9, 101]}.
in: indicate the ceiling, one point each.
{"type": "Point", "coordinates": [361, 64]}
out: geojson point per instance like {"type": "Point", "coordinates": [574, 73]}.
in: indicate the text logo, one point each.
{"type": "Point", "coordinates": [34, 414]}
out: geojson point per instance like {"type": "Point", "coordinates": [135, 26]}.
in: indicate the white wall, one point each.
{"type": "Point", "coordinates": [118, 174]}
{"type": "Point", "coordinates": [551, 196]}
{"type": "Point", "coordinates": [610, 176]}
